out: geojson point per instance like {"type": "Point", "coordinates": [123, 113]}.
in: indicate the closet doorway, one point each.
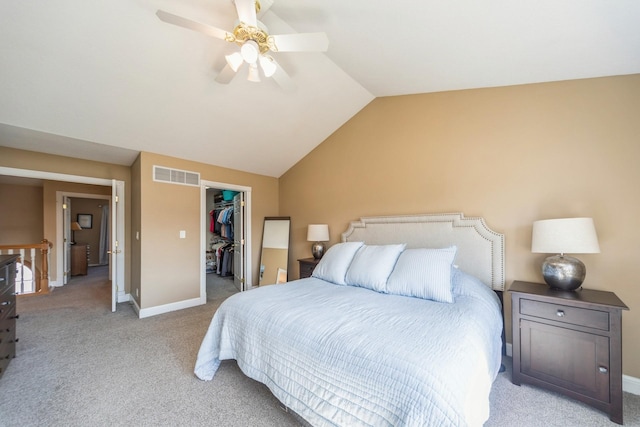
{"type": "Point", "coordinates": [226, 245]}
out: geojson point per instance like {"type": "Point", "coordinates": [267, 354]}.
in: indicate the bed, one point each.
{"type": "Point", "coordinates": [400, 324]}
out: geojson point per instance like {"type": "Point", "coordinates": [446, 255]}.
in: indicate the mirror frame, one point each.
{"type": "Point", "coordinates": [280, 272]}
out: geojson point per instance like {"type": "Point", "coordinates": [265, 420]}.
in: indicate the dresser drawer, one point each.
{"type": "Point", "coordinates": [8, 335]}
{"type": "Point", "coordinates": [7, 304]}
{"type": "Point", "coordinates": [566, 314]}
{"type": "Point", "coordinates": [7, 352]}
{"type": "Point", "coordinates": [8, 320]}
{"type": "Point", "coordinates": [5, 283]}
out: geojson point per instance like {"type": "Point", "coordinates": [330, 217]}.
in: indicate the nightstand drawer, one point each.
{"type": "Point", "coordinates": [306, 270]}
{"type": "Point", "coordinates": [566, 314]}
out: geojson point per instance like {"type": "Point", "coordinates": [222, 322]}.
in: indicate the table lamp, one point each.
{"type": "Point", "coordinates": [317, 233]}
{"type": "Point", "coordinates": [75, 226]}
{"type": "Point", "coordinates": [562, 236]}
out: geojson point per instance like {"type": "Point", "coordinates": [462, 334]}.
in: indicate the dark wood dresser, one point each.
{"type": "Point", "coordinates": [8, 314]}
{"type": "Point", "coordinates": [569, 342]}
{"type": "Point", "coordinates": [306, 266]}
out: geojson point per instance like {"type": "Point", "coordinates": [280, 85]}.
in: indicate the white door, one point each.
{"type": "Point", "coordinates": [66, 231]}
{"type": "Point", "coordinates": [116, 272]}
{"type": "Point", "coordinates": [238, 242]}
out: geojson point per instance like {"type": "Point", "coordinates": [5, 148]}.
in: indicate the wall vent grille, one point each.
{"type": "Point", "coordinates": [176, 176]}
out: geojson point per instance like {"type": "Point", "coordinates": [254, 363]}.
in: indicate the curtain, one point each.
{"type": "Point", "coordinates": [104, 236]}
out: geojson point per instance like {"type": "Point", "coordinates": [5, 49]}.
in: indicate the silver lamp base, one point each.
{"type": "Point", "coordinates": [317, 249]}
{"type": "Point", "coordinates": [563, 272]}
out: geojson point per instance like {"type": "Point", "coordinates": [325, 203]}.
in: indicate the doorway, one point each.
{"type": "Point", "coordinates": [117, 264]}
{"type": "Point", "coordinates": [89, 226]}
{"type": "Point", "coordinates": [225, 239]}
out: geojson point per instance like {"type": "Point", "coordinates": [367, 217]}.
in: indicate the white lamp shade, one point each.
{"type": "Point", "coordinates": [250, 51]}
{"type": "Point", "coordinates": [318, 233]}
{"type": "Point", "coordinates": [235, 61]}
{"type": "Point", "coordinates": [267, 64]}
{"type": "Point", "coordinates": [564, 236]}
{"type": "Point", "coordinates": [254, 74]}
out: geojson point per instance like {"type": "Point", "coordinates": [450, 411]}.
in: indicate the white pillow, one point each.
{"type": "Point", "coordinates": [335, 262]}
{"type": "Point", "coordinates": [423, 273]}
{"type": "Point", "coordinates": [372, 265]}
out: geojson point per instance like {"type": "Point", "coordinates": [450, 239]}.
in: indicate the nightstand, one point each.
{"type": "Point", "coordinates": [306, 266]}
{"type": "Point", "coordinates": [570, 343]}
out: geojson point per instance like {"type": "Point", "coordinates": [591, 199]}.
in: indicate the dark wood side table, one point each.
{"type": "Point", "coordinates": [306, 266]}
{"type": "Point", "coordinates": [570, 343]}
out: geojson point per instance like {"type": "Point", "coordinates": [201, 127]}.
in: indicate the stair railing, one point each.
{"type": "Point", "coordinates": [32, 276]}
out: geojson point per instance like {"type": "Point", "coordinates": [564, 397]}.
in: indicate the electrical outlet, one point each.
{"type": "Point", "coordinates": [137, 293]}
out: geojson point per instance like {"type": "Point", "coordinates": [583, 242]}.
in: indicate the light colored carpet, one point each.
{"type": "Point", "coordinates": [79, 364]}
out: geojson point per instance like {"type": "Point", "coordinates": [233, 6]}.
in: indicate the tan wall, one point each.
{"type": "Point", "coordinates": [170, 266]}
{"type": "Point", "coordinates": [21, 216]}
{"type": "Point", "coordinates": [511, 155]}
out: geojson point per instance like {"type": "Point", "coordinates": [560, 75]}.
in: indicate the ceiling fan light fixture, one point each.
{"type": "Point", "coordinates": [234, 60]}
{"type": "Point", "coordinates": [254, 73]}
{"type": "Point", "coordinates": [250, 51]}
{"type": "Point", "coordinates": [268, 65]}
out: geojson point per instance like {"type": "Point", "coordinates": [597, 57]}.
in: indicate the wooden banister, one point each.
{"type": "Point", "coordinates": [40, 275]}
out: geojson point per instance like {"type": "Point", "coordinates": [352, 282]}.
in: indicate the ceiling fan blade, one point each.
{"type": "Point", "coordinates": [302, 42]}
{"type": "Point", "coordinates": [265, 5]}
{"type": "Point", "coordinates": [282, 78]}
{"type": "Point", "coordinates": [247, 12]}
{"type": "Point", "coordinates": [192, 25]}
{"type": "Point", "coordinates": [226, 75]}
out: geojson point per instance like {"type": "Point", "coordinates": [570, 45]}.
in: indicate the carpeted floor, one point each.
{"type": "Point", "coordinates": [79, 364]}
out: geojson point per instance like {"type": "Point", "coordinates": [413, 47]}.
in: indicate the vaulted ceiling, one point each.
{"type": "Point", "coordinates": [103, 80]}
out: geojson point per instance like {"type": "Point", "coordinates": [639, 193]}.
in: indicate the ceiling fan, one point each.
{"type": "Point", "coordinates": [255, 43]}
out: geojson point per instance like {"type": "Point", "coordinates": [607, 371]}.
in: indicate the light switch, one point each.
{"type": "Point", "coordinates": [183, 234]}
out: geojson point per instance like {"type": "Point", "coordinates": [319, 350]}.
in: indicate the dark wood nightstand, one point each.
{"type": "Point", "coordinates": [569, 342]}
{"type": "Point", "coordinates": [306, 266]}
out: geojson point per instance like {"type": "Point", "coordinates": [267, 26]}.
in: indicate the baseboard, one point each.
{"type": "Point", "coordinates": [124, 297]}
{"type": "Point", "coordinates": [629, 384]}
{"type": "Point", "coordinates": [161, 309]}
{"type": "Point", "coordinates": [136, 307]}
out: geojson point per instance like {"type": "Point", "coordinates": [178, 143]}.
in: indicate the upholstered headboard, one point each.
{"type": "Point", "coordinates": [480, 249]}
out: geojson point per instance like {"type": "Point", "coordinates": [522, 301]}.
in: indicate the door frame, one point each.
{"type": "Point", "coordinates": [28, 173]}
{"type": "Point", "coordinates": [248, 279]}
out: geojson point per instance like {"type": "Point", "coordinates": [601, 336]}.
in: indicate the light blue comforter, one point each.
{"type": "Point", "coordinates": [348, 356]}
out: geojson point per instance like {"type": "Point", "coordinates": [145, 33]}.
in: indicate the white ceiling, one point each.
{"type": "Point", "coordinates": [104, 80]}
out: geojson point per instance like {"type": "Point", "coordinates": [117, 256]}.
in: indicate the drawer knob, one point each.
{"type": "Point", "coordinates": [560, 313]}
{"type": "Point", "coordinates": [602, 369]}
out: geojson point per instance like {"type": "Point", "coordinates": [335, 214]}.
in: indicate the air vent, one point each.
{"type": "Point", "coordinates": [176, 176]}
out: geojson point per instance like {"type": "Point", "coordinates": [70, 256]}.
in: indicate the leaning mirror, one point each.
{"type": "Point", "coordinates": [274, 258]}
